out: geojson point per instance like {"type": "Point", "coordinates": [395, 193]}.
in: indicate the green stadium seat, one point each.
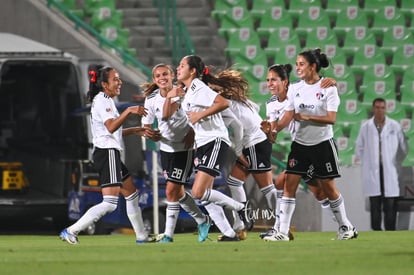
{"type": "Point", "coordinates": [310, 19]}
{"type": "Point", "coordinates": [333, 8]}
{"type": "Point", "coordinates": [407, 8]}
{"type": "Point", "coordinates": [407, 124]}
{"type": "Point", "coordinates": [261, 7]}
{"type": "Point", "coordinates": [254, 68]}
{"type": "Point", "coordinates": [346, 148]}
{"type": "Point", "coordinates": [324, 38]}
{"type": "Point", "coordinates": [239, 39]}
{"type": "Point", "coordinates": [283, 42]}
{"type": "Point", "coordinates": [396, 37]}
{"type": "Point", "coordinates": [385, 18]}
{"type": "Point", "coordinates": [273, 20]}
{"type": "Point", "coordinates": [225, 7]}
{"type": "Point", "coordinates": [352, 111]}
{"type": "Point", "coordinates": [373, 87]}
{"type": "Point", "coordinates": [394, 109]}
{"type": "Point", "coordinates": [407, 94]}
{"type": "Point", "coordinates": [356, 39]}
{"type": "Point", "coordinates": [239, 18]}
{"type": "Point", "coordinates": [250, 55]}
{"type": "Point", "coordinates": [298, 7]}
{"type": "Point", "coordinates": [402, 58]}
{"type": "Point", "coordinates": [117, 36]}
{"type": "Point", "coordinates": [368, 56]}
{"type": "Point", "coordinates": [347, 20]}
{"type": "Point", "coordinates": [104, 16]}
{"type": "Point", "coordinates": [346, 86]}
{"type": "Point", "coordinates": [89, 6]}
{"type": "Point", "coordinates": [371, 7]}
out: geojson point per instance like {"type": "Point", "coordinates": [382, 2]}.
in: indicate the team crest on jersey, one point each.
{"type": "Point", "coordinates": [165, 174]}
{"type": "Point", "coordinates": [196, 162]}
{"type": "Point", "coordinates": [293, 162]}
{"type": "Point", "coordinates": [319, 96]}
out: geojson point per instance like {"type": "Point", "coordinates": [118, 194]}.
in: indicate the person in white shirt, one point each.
{"type": "Point", "coordinates": [381, 146]}
{"type": "Point", "coordinates": [176, 139]}
{"type": "Point", "coordinates": [278, 83]}
{"type": "Point", "coordinates": [315, 110]}
{"type": "Point", "coordinates": [114, 177]}
{"type": "Point", "coordinates": [203, 107]}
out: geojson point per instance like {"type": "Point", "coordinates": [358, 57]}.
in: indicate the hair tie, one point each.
{"type": "Point", "coordinates": [206, 71]}
{"type": "Point", "coordinates": [93, 76]}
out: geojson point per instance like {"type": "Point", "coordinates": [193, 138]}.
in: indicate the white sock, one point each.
{"type": "Point", "coordinates": [326, 207]}
{"type": "Point", "coordinates": [216, 213]}
{"type": "Point", "coordinates": [237, 222]}
{"type": "Point", "coordinates": [287, 208]}
{"type": "Point", "coordinates": [172, 212]}
{"type": "Point", "coordinates": [188, 204]}
{"type": "Point", "coordinates": [338, 209]}
{"type": "Point", "coordinates": [236, 189]}
{"type": "Point", "coordinates": [135, 215]}
{"type": "Point", "coordinates": [219, 198]}
{"type": "Point", "coordinates": [108, 205]}
{"type": "Point", "coordinates": [270, 194]}
{"type": "Point", "coordinates": [277, 212]}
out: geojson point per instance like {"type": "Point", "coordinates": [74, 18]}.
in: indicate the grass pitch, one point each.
{"type": "Point", "coordinates": [309, 253]}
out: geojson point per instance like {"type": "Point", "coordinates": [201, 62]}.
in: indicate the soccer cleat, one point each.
{"type": "Point", "coordinates": [245, 215]}
{"type": "Point", "coordinates": [346, 233]}
{"type": "Point", "coordinates": [270, 232]}
{"type": "Point", "coordinates": [203, 230]}
{"type": "Point", "coordinates": [68, 237]}
{"type": "Point", "coordinates": [166, 239]}
{"type": "Point", "coordinates": [224, 238]}
{"type": "Point", "coordinates": [149, 239]}
{"type": "Point", "coordinates": [277, 236]}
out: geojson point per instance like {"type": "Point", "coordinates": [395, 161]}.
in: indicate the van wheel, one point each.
{"type": "Point", "coordinates": [148, 218]}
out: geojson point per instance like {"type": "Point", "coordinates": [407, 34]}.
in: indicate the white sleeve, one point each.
{"type": "Point", "coordinates": [236, 128]}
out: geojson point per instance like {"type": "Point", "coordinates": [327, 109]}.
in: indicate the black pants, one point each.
{"type": "Point", "coordinates": [379, 204]}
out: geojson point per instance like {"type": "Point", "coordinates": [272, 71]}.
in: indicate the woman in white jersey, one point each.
{"type": "Point", "coordinates": [203, 107]}
{"type": "Point", "coordinates": [255, 156]}
{"type": "Point", "coordinates": [315, 110]}
{"type": "Point", "coordinates": [278, 83]}
{"type": "Point", "coordinates": [107, 132]}
{"type": "Point", "coordinates": [176, 139]}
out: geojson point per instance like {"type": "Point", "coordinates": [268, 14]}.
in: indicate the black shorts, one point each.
{"type": "Point", "coordinates": [321, 158]}
{"type": "Point", "coordinates": [210, 158]}
{"type": "Point", "coordinates": [107, 162]}
{"type": "Point", "coordinates": [177, 167]}
{"type": "Point", "coordinates": [259, 157]}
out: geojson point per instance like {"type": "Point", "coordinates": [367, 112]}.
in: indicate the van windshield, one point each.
{"type": "Point", "coordinates": [38, 99]}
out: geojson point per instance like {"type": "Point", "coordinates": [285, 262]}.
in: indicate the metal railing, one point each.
{"type": "Point", "coordinates": [177, 36]}
{"type": "Point", "coordinates": [102, 41]}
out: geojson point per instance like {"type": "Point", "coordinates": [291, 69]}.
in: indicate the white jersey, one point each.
{"type": "Point", "coordinates": [198, 98]}
{"type": "Point", "coordinates": [235, 129]}
{"type": "Point", "coordinates": [250, 120]}
{"type": "Point", "coordinates": [275, 110]}
{"type": "Point", "coordinates": [315, 101]}
{"type": "Point", "coordinates": [103, 108]}
{"type": "Point", "coordinates": [173, 130]}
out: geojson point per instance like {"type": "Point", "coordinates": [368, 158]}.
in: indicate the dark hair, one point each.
{"type": "Point", "coordinates": [150, 87]}
{"type": "Point", "coordinates": [229, 83]}
{"type": "Point", "coordinates": [316, 57]}
{"type": "Point", "coordinates": [97, 75]}
{"type": "Point", "coordinates": [378, 99]}
{"type": "Point", "coordinates": [283, 71]}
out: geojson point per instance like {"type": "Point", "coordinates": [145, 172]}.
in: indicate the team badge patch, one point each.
{"type": "Point", "coordinates": [293, 162]}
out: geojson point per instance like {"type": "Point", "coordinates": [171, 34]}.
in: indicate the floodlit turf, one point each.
{"type": "Point", "coordinates": [309, 253]}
